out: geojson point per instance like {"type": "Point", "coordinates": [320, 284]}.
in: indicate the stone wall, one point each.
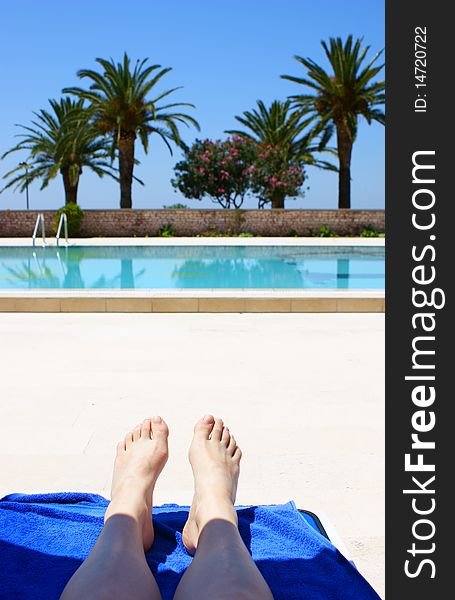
{"type": "Point", "coordinates": [131, 223]}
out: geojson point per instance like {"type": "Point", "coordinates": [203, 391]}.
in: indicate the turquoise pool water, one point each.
{"type": "Point", "coordinates": [128, 267]}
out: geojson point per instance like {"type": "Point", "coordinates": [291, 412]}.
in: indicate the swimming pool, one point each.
{"type": "Point", "coordinates": [192, 267]}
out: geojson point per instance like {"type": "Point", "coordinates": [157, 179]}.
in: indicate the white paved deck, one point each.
{"type": "Point", "coordinates": [303, 394]}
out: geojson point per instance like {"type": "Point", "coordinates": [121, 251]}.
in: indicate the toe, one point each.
{"type": "Point", "coordinates": [217, 431]}
{"type": "Point", "coordinates": [204, 426]}
{"type": "Point", "coordinates": [120, 447]}
{"type": "Point", "coordinates": [136, 433]}
{"type": "Point", "coordinates": [159, 428]}
{"type": "Point", "coordinates": [232, 445]}
{"type": "Point", "coordinates": [128, 439]}
{"type": "Point", "coordinates": [225, 437]}
{"type": "Point", "coordinates": [146, 429]}
{"type": "Point", "coordinates": [237, 454]}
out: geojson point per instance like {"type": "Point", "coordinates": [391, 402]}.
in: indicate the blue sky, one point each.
{"type": "Point", "coordinates": [225, 54]}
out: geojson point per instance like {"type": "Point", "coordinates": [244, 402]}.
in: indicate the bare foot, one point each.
{"type": "Point", "coordinates": [215, 460]}
{"type": "Point", "coordinates": [139, 461]}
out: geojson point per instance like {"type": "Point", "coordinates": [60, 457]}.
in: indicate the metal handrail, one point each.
{"type": "Point", "coordinates": [39, 218]}
{"type": "Point", "coordinates": [63, 222]}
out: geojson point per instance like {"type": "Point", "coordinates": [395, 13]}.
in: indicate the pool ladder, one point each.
{"type": "Point", "coordinates": [39, 219]}
{"type": "Point", "coordinates": [62, 224]}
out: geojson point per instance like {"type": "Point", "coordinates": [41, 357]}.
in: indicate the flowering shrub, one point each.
{"type": "Point", "coordinates": [274, 176]}
{"type": "Point", "coordinates": [227, 171]}
{"type": "Point", "coordinates": [218, 169]}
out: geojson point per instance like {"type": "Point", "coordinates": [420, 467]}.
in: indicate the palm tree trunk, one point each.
{"type": "Point", "coordinates": [344, 143]}
{"type": "Point", "coordinates": [126, 166]}
{"type": "Point", "coordinates": [70, 187]}
{"type": "Point", "coordinates": [278, 199]}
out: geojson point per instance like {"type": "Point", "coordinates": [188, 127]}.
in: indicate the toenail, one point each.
{"type": "Point", "coordinates": [207, 419]}
{"type": "Point", "coordinates": [157, 419]}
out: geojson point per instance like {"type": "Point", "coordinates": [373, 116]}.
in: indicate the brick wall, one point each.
{"type": "Point", "coordinates": [130, 223]}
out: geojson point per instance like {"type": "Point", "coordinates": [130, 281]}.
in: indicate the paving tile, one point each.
{"type": "Point", "coordinates": [129, 305]}
{"type": "Point", "coordinates": [7, 305]}
{"type": "Point", "coordinates": [360, 305]}
{"type": "Point", "coordinates": [83, 304]}
{"type": "Point", "coordinates": [313, 305]}
{"type": "Point", "coordinates": [175, 305]}
{"type": "Point", "coordinates": [37, 304]}
{"type": "Point", "coordinates": [221, 305]}
{"type": "Point", "coordinates": [272, 305]}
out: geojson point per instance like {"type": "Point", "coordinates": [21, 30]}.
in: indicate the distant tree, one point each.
{"type": "Point", "coordinates": [175, 205]}
{"type": "Point", "coordinates": [61, 141]}
{"type": "Point", "coordinates": [287, 146]}
{"type": "Point", "coordinates": [217, 169]}
{"type": "Point", "coordinates": [121, 106]}
{"type": "Point", "coordinates": [340, 97]}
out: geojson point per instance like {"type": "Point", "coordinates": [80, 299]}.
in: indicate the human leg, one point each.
{"type": "Point", "coordinates": [116, 567]}
{"type": "Point", "coordinates": [222, 568]}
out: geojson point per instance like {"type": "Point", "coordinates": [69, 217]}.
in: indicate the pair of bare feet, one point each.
{"type": "Point", "coordinates": [215, 460]}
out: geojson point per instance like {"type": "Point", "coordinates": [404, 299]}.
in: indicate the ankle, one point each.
{"type": "Point", "coordinates": [215, 507]}
{"type": "Point", "coordinates": [133, 504]}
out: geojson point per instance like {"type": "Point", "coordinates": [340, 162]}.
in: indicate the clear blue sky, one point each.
{"type": "Point", "coordinates": [226, 54]}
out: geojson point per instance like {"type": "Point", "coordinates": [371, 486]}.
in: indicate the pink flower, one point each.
{"type": "Point", "coordinates": [202, 171]}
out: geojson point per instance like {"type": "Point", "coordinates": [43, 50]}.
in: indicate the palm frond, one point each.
{"type": "Point", "coordinates": [292, 130]}
{"type": "Point", "coordinates": [345, 92]}
{"type": "Point", "coordinates": [120, 103]}
{"type": "Point", "coordinates": [59, 139]}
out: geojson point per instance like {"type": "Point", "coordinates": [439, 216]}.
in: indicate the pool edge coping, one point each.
{"type": "Point", "coordinates": [200, 241]}
{"type": "Point", "coordinates": [195, 301]}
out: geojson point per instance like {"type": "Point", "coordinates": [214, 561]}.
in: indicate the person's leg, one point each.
{"type": "Point", "coordinates": [116, 566]}
{"type": "Point", "coordinates": [222, 568]}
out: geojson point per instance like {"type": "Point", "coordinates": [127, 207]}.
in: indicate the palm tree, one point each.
{"type": "Point", "coordinates": [121, 107]}
{"type": "Point", "coordinates": [60, 141]}
{"type": "Point", "coordinates": [286, 128]}
{"type": "Point", "coordinates": [342, 96]}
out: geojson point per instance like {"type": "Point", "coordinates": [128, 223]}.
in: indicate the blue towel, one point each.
{"type": "Point", "coordinates": [44, 538]}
